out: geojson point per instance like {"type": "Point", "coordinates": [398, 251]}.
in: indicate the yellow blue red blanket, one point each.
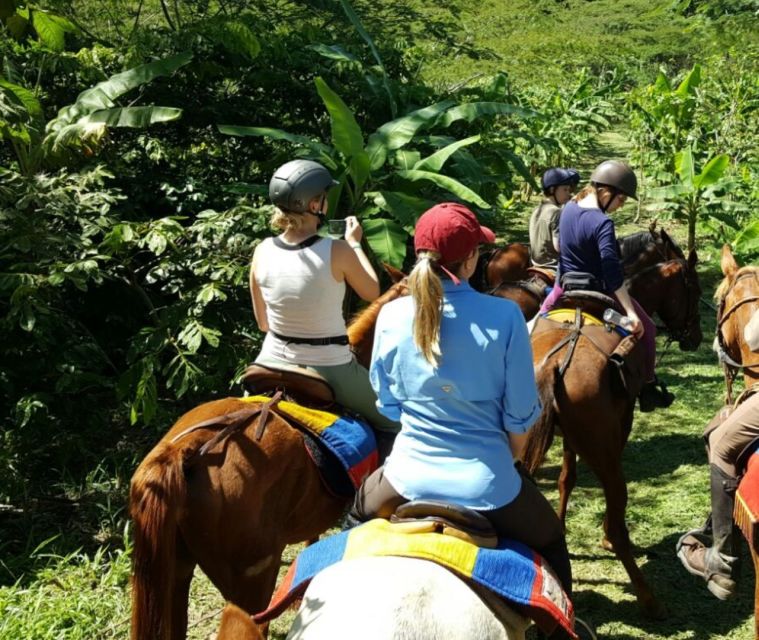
{"type": "Point", "coordinates": [512, 571]}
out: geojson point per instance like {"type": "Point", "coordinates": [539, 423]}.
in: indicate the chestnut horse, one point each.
{"type": "Point", "coordinates": [737, 297]}
{"type": "Point", "coordinates": [594, 420]}
{"type": "Point", "coordinates": [638, 251]}
{"type": "Point", "coordinates": [230, 511]}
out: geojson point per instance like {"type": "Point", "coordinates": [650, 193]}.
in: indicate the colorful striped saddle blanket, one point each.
{"type": "Point", "coordinates": [511, 571]}
{"type": "Point", "coordinates": [746, 513]}
{"type": "Point", "coordinates": [350, 439]}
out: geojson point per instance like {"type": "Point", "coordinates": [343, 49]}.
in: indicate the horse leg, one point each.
{"type": "Point", "coordinates": [617, 535]}
{"type": "Point", "coordinates": [567, 482]}
{"type": "Point", "coordinates": [180, 597]}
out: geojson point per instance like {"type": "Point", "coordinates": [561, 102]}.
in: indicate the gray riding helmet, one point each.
{"type": "Point", "coordinates": [298, 182]}
{"type": "Point", "coordinates": [618, 175]}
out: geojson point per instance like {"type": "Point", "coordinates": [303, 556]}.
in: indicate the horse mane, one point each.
{"type": "Point", "coordinates": [728, 280]}
{"type": "Point", "coordinates": [630, 247]}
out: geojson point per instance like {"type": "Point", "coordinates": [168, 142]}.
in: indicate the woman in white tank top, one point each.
{"type": "Point", "coordinates": [297, 284]}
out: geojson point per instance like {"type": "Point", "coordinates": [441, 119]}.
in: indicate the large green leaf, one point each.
{"type": "Point", "coordinates": [404, 207]}
{"type": "Point", "coordinates": [51, 29]}
{"type": "Point", "coordinates": [712, 172]}
{"type": "Point", "coordinates": [684, 166]}
{"type": "Point", "coordinates": [470, 111]}
{"type": "Point", "coordinates": [136, 117]}
{"type": "Point", "coordinates": [447, 183]}
{"type": "Point", "coordinates": [346, 134]}
{"type": "Point", "coordinates": [387, 240]}
{"type": "Point", "coordinates": [322, 150]}
{"type": "Point", "coordinates": [689, 84]}
{"type": "Point", "coordinates": [747, 240]}
{"type": "Point", "coordinates": [435, 161]}
{"type": "Point", "coordinates": [668, 192]}
{"type": "Point", "coordinates": [237, 38]}
{"type": "Point", "coordinates": [18, 26]}
{"type": "Point", "coordinates": [396, 133]}
{"type": "Point", "coordinates": [101, 96]}
{"type": "Point", "coordinates": [23, 96]}
{"type": "Point", "coordinates": [333, 52]}
{"type": "Point", "coordinates": [359, 171]}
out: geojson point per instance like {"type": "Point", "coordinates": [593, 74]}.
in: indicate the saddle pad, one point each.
{"type": "Point", "coordinates": [512, 571]}
{"type": "Point", "coordinates": [568, 315]}
{"type": "Point", "coordinates": [746, 514]}
{"type": "Point", "coordinates": [351, 440]}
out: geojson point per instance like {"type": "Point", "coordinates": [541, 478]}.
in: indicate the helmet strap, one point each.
{"type": "Point", "coordinates": [614, 193]}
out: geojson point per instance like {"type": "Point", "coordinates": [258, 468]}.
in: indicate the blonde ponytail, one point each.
{"type": "Point", "coordinates": [427, 291]}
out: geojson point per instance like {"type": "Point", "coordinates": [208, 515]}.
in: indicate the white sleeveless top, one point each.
{"type": "Point", "coordinates": [303, 300]}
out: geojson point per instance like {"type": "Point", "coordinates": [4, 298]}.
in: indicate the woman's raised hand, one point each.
{"type": "Point", "coordinates": [353, 230]}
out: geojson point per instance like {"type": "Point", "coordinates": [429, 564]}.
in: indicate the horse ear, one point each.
{"type": "Point", "coordinates": [692, 259]}
{"type": "Point", "coordinates": [652, 227]}
{"type": "Point", "coordinates": [728, 263]}
{"type": "Point", "coordinates": [396, 275]}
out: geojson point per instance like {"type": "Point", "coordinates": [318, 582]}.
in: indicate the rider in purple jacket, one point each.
{"type": "Point", "coordinates": [588, 245]}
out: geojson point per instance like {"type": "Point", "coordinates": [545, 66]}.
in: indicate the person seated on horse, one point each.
{"type": "Point", "coordinates": [297, 285]}
{"type": "Point", "coordinates": [589, 245]}
{"type": "Point", "coordinates": [455, 367]}
{"type": "Point", "coordinates": [712, 551]}
{"type": "Point", "coordinates": [558, 186]}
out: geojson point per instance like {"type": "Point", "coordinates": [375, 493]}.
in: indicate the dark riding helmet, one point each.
{"type": "Point", "coordinates": [298, 182]}
{"type": "Point", "coordinates": [617, 175]}
{"type": "Point", "coordinates": [556, 176]}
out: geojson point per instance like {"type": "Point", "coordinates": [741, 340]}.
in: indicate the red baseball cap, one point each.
{"type": "Point", "coordinates": [451, 230]}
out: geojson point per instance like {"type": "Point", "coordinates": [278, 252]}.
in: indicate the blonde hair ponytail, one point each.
{"type": "Point", "coordinates": [427, 291]}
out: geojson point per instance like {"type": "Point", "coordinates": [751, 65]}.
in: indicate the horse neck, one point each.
{"type": "Point", "coordinates": [361, 328]}
{"type": "Point", "coordinates": [647, 287]}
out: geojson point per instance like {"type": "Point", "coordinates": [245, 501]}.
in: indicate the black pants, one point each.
{"type": "Point", "coordinates": [529, 519]}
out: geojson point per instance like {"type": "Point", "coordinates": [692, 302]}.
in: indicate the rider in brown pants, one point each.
{"type": "Point", "coordinates": [712, 550]}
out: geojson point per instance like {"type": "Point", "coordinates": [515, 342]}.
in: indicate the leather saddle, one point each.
{"type": "Point", "coordinates": [297, 384]}
{"type": "Point", "coordinates": [425, 516]}
{"type": "Point", "coordinates": [591, 302]}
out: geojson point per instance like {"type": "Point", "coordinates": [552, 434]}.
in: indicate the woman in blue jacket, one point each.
{"type": "Point", "coordinates": [455, 367]}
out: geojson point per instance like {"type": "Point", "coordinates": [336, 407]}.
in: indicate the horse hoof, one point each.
{"type": "Point", "coordinates": [654, 610]}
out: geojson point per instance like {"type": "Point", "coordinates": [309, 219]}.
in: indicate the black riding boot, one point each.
{"type": "Point", "coordinates": [722, 558]}
{"type": "Point", "coordinates": [716, 560]}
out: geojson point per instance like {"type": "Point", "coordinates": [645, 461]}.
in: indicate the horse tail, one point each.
{"type": "Point", "coordinates": [540, 435]}
{"type": "Point", "coordinates": [156, 495]}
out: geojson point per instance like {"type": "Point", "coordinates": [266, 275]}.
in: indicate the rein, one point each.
{"type": "Point", "coordinates": [730, 366]}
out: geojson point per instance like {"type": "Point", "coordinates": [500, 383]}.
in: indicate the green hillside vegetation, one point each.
{"type": "Point", "coordinates": [136, 141]}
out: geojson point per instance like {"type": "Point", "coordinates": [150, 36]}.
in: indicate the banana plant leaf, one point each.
{"type": "Point", "coordinates": [387, 240]}
{"type": "Point", "coordinates": [712, 172]}
{"type": "Point", "coordinates": [447, 183]}
{"type": "Point", "coordinates": [102, 95]}
{"type": "Point", "coordinates": [470, 111]}
{"type": "Point", "coordinates": [319, 149]}
{"type": "Point", "coordinates": [435, 161]}
{"type": "Point", "coordinates": [399, 132]}
{"type": "Point", "coordinates": [346, 134]}
{"type": "Point", "coordinates": [404, 207]}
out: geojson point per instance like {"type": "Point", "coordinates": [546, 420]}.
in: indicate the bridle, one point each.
{"type": "Point", "coordinates": [730, 366]}
{"type": "Point", "coordinates": [678, 334]}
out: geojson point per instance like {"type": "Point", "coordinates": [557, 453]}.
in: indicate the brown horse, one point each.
{"type": "Point", "coordinates": [594, 417]}
{"type": "Point", "coordinates": [230, 511]}
{"type": "Point", "coordinates": [638, 252]}
{"type": "Point", "coordinates": [502, 264]}
{"type": "Point", "coordinates": [738, 298]}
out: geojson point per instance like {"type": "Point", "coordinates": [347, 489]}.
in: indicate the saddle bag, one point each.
{"type": "Point", "coordinates": [580, 280]}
